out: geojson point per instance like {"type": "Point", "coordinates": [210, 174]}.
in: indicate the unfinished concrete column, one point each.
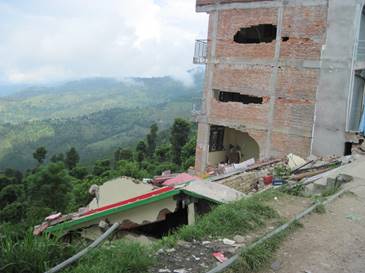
{"type": "Point", "coordinates": [336, 78]}
{"type": "Point", "coordinates": [191, 213]}
{"type": "Point", "coordinates": [202, 149]}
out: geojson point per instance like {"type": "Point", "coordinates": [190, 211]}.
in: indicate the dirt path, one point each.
{"type": "Point", "coordinates": [333, 242]}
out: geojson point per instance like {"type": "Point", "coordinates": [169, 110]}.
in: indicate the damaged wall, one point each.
{"type": "Point", "coordinates": [284, 72]}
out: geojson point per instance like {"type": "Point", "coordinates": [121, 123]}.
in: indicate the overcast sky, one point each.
{"type": "Point", "coordinates": [55, 40]}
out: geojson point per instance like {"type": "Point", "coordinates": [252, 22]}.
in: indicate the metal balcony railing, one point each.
{"type": "Point", "coordinates": [200, 52]}
{"type": "Point", "coordinates": [361, 50]}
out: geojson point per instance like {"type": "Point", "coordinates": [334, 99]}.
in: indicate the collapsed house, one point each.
{"type": "Point", "coordinates": [280, 76]}
{"type": "Point", "coordinates": [140, 208]}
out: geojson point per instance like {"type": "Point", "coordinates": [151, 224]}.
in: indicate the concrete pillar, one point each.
{"type": "Point", "coordinates": [336, 78]}
{"type": "Point", "coordinates": [191, 213]}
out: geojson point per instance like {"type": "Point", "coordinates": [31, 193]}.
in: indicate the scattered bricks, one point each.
{"type": "Point", "coordinates": [241, 182]}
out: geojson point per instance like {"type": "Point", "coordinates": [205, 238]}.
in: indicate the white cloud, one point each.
{"type": "Point", "coordinates": [43, 41]}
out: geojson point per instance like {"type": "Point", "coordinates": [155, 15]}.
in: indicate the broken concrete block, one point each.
{"type": "Point", "coordinates": [228, 242]}
{"type": "Point", "coordinates": [183, 243]}
{"type": "Point", "coordinates": [239, 239]}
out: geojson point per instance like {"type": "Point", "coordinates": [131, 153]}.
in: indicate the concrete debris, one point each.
{"type": "Point", "coordinates": [205, 243]}
{"type": "Point", "coordinates": [142, 239]}
{"type": "Point", "coordinates": [182, 270]}
{"type": "Point", "coordinates": [183, 243]}
{"type": "Point", "coordinates": [295, 161]}
{"type": "Point", "coordinates": [164, 270]}
{"type": "Point", "coordinates": [275, 265]}
{"type": "Point", "coordinates": [170, 250]}
{"type": "Point", "coordinates": [239, 239]}
{"type": "Point", "coordinates": [214, 191]}
{"type": "Point", "coordinates": [228, 242]}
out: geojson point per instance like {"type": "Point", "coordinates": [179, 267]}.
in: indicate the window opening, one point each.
{"type": "Point", "coordinates": [237, 97]}
{"type": "Point", "coordinates": [264, 33]}
{"type": "Point", "coordinates": [216, 138]}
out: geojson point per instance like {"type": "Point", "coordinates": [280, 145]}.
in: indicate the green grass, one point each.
{"type": "Point", "coordinates": [297, 190]}
{"type": "Point", "coordinates": [259, 257]}
{"type": "Point", "coordinates": [330, 191]}
{"type": "Point", "coordinates": [226, 220]}
{"type": "Point", "coordinates": [320, 209]}
{"type": "Point", "coordinates": [118, 257]}
{"type": "Point", "coordinates": [31, 254]}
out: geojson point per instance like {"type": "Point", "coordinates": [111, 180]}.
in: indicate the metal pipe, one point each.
{"type": "Point", "coordinates": [83, 252]}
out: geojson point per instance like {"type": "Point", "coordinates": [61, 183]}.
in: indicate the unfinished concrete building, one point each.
{"type": "Point", "coordinates": [281, 76]}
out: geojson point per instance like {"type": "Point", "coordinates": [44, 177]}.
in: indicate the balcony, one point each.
{"type": "Point", "coordinates": [200, 52]}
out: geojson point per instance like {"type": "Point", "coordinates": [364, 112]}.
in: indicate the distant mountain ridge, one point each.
{"type": "Point", "coordinates": [94, 115]}
{"type": "Point", "coordinates": [82, 97]}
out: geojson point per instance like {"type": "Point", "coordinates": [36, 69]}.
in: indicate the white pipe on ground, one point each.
{"type": "Point", "coordinates": [83, 252]}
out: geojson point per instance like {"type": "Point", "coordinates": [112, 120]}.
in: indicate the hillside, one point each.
{"type": "Point", "coordinates": [95, 116]}
{"type": "Point", "coordinates": [87, 96]}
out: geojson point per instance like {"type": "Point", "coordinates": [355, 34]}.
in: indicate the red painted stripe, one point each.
{"type": "Point", "coordinates": [131, 200]}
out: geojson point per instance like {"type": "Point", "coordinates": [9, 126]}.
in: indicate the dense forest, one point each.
{"type": "Point", "coordinates": [60, 183]}
{"type": "Point", "coordinates": [96, 116]}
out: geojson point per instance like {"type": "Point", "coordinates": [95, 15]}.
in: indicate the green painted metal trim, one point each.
{"type": "Point", "coordinates": [67, 225]}
{"type": "Point", "coordinates": [71, 223]}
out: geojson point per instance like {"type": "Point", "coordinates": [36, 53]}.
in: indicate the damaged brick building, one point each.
{"type": "Point", "coordinates": [281, 76]}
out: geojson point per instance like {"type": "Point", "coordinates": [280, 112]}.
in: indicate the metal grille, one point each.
{"type": "Point", "coordinates": [200, 52]}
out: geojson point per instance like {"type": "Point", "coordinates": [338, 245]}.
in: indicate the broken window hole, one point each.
{"type": "Point", "coordinates": [285, 39]}
{"type": "Point", "coordinates": [264, 33]}
{"type": "Point", "coordinates": [223, 96]}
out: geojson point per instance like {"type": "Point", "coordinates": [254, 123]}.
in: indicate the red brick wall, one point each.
{"type": "Point", "coordinates": [306, 28]}
{"type": "Point", "coordinates": [283, 144]}
{"type": "Point", "coordinates": [249, 115]}
{"type": "Point", "coordinates": [295, 87]}
{"type": "Point", "coordinates": [209, 2]}
{"type": "Point", "coordinates": [230, 21]}
{"type": "Point", "coordinates": [297, 83]}
{"type": "Point", "coordinates": [250, 80]}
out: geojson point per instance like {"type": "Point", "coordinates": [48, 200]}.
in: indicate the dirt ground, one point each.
{"type": "Point", "coordinates": [197, 256]}
{"type": "Point", "coordinates": [333, 242]}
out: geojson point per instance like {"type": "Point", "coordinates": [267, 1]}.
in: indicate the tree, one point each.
{"type": "Point", "coordinates": [72, 158]}
{"type": "Point", "coordinates": [188, 153]}
{"type": "Point", "coordinates": [123, 154]}
{"type": "Point", "coordinates": [151, 139]}
{"type": "Point", "coordinates": [79, 172]}
{"type": "Point", "coordinates": [141, 150]}
{"type": "Point", "coordinates": [40, 154]}
{"type": "Point", "coordinates": [179, 136]}
{"type": "Point", "coordinates": [163, 152]}
{"type": "Point", "coordinates": [58, 158]}
{"type": "Point", "coordinates": [101, 166]}
{"type": "Point", "coordinates": [49, 187]}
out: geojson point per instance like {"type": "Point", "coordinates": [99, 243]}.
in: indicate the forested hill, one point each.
{"type": "Point", "coordinates": [95, 116]}
{"type": "Point", "coordinates": [86, 96]}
